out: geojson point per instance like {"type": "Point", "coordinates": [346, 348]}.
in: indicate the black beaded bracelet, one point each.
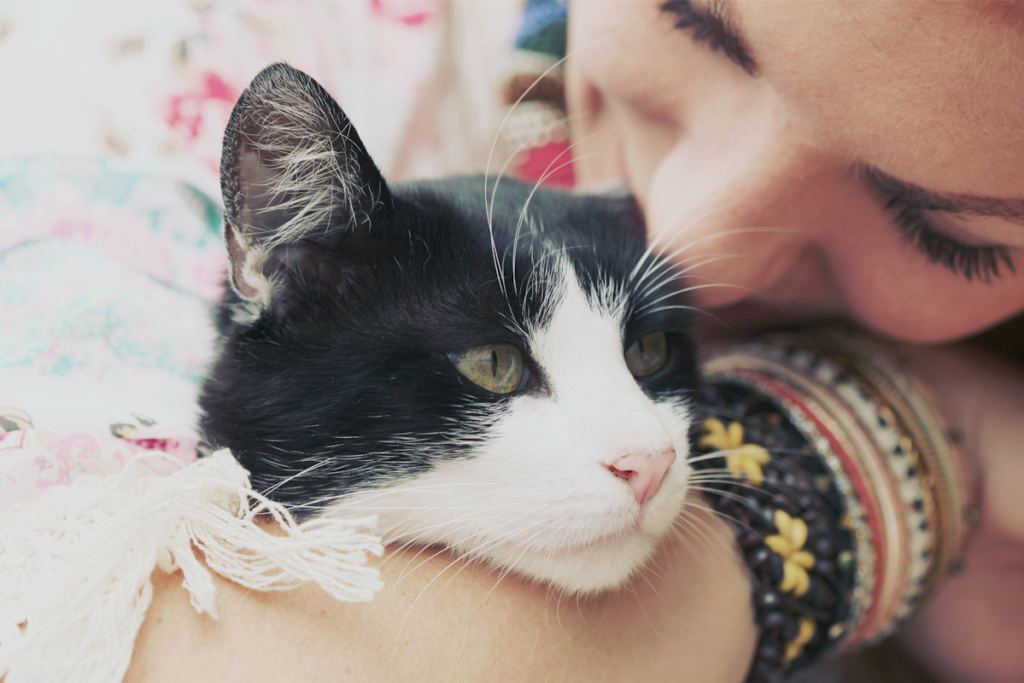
{"type": "Point", "coordinates": [833, 467]}
{"type": "Point", "coordinates": [794, 629]}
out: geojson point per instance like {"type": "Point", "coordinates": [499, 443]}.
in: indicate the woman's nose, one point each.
{"type": "Point", "coordinates": [745, 217]}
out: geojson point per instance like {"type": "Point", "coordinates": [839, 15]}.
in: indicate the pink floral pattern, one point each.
{"type": "Point", "coordinates": [153, 83]}
{"type": "Point", "coordinates": [108, 262]}
{"type": "Point", "coordinates": [32, 460]}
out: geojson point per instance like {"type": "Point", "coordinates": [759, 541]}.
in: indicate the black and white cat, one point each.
{"type": "Point", "coordinates": [504, 371]}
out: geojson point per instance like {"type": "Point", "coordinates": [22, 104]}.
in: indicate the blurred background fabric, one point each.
{"type": "Point", "coordinates": [111, 256]}
{"type": "Point", "coordinates": [152, 82]}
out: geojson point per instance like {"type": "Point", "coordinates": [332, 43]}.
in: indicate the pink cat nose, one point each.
{"type": "Point", "coordinates": [643, 472]}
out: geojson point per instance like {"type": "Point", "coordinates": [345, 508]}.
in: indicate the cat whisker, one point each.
{"type": "Point", "coordinates": [721, 515]}
{"type": "Point", "coordinates": [672, 274]}
{"type": "Point", "coordinates": [681, 532]}
{"type": "Point", "coordinates": [718, 474]}
{"type": "Point", "coordinates": [700, 457]}
{"type": "Point", "coordinates": [477, 554]}
{"type": "Point", "coordinates": [499, 515]}
{"type": "Point", "coordinates": [422, 552]}
{"type": "Point", "coordinates": [689, 503]}
{"type": "Point", "coordinates": [653, 570]}
{"type": "Point", "coordinates": [726, 479]}
{"type": "Point", "coordinates": [526, 205]}
{"type": "Point", "coordinates": [553, 256]}
{"type": "Point", "coordinates": [697, 532]}
{"type": "Point", "coordinates": [677, 234]}
{"type": "Point", "coordinates": [705, 474]}
{"type": "Point", "coordinates": [412, 605]}
{"type": "Point", "coordinates": [489, 205]}
{"type": "Point", "coordinates": [291, 478]}
{"type": "Point", "coordinates": [726, 482]}
{"type": "Point", "coordinates": [750, 292]}
{"type": "Point", "coordinates": [701, 528]}
{"type": "Point", "coordinates": [723, 540]}
{"type": "Point", "coordinates": [506, 570]}
{"type": "Point", "coordinates": [718, 235]}
{"type": "Point", "coordinates": [654, 242]}
{"type": "Point", "coordinates": [681, 307]}
{"type": "Point", "coordinates": [726, 451]}
{"type": "Point", "coordinates": [714, 473]}
{"type": "Point", "coordinates": [643, 610]}
{"type": "Point", "coordinates": [416, 536]}
{"type": "Point", "coordinates": [496, 540]}
{"type": "Point", "coordinates": [523, 146]}
{"type": "Point", "coordinates": [727, 494]}
{"type": "Point", "coordinates": [671, 295]}
{"type": "Point", "coordinates": [558, 609]}
{"type": "Point", "coordinates": [660, 254]}
{"type": "Point", "coordinates": [330, 506]}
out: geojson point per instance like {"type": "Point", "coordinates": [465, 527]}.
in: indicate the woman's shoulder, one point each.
{"type": "Point", "coordinates": [445, 619]}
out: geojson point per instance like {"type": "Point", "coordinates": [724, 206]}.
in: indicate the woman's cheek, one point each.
{"type": "Point", "coordinates": [809, 243]}
{"type": "Point", "coordinates": [710, 156]}
{"type": "Point", "coordinates": [901, 294]}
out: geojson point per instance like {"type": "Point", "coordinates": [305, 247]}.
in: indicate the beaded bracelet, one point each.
{"type": "Point", "coordinates": [845, 491]}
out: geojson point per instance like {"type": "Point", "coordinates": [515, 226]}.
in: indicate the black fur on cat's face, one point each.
{"type": "Point", "coordinates": [368, 330]}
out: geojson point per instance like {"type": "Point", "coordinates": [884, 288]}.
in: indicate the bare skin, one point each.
{"type": "Point", "coordinates": [929, 93]}
{"type": "Point", "coordinates": [445, 620]}
{"type": "Point", "coordinates": [712, 151]}
{"type": "Point", "coordinates": [973, 628]}
{"type": "Point", "coordinates": [766, 167]}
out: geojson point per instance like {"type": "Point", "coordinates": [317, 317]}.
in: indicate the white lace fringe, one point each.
{"type": "Point", "coordinates": [75, 567]}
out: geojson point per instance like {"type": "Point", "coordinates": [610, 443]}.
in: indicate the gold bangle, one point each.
{"type": "Point", "coordinates": [914, 408]}
{"type": "Point", "coordinates": [878, 433]}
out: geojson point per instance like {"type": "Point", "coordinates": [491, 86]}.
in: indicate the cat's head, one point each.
{"type": "Point", "coordinates": [501, 369]}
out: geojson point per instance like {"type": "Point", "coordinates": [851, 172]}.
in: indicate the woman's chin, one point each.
{"type": "Point", "coordinates": [746, 316]}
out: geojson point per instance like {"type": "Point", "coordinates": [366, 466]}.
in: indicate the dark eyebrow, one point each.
{"type": "Point", "coordinates": [925, 200]}
{"type": "Point", "coordinates": [717, 22]}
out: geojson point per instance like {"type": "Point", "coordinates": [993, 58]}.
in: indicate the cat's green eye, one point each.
{"type": "Point", "coordinates": [648, 354]}
{"type": "Point", "coordinates": [498, 368]}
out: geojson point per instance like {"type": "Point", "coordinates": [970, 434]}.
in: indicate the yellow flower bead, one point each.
{"type": "Point", "coordinates": [741, 459]}
{"type": "Point", "coordinates": [796, 646]}
{"type": "Point", "coordinates": [794, 579]}
{"type": "Point", "coordinates": [788, 543]}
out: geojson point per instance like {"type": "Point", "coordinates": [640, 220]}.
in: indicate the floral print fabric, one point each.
{"type": "Point", "coordinates": [154, 82]}
{"type": "Point", "coordinates": [110, 248]}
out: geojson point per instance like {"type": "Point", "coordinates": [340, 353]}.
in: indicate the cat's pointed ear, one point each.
{"type": "Point", "coordinates": [293, 170]}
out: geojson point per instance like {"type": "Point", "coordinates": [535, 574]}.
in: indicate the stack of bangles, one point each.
{"type": "Point", "coordinates": [846, 490]}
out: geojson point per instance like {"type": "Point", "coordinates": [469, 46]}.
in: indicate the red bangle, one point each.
{"type": "Point", "coordinates": [879, 457]}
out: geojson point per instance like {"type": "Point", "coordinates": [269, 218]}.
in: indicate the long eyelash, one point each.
{"type": "Point", "coordinates": [689, 19]}
{"type": "Point", "coordinates": [971, 261]}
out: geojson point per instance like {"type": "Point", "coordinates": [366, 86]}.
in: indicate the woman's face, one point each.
{"type": "Point", "coordinates": [855, 159]}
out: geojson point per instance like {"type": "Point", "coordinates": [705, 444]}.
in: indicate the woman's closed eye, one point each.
{"type": "Point", "coordinates": [712, 27]}
{"type": "Point", "coordinates": [915, 212]}
{"type": "Point", "coordinates": [972, 261]}
{"type": "Point", "coordinates": [711, 24]}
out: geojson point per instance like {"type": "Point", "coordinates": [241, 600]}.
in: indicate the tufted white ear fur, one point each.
{"type": "Point", "coordinates": [293, 170]}
{"type": "Point", "coordinates": [246, 272]}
